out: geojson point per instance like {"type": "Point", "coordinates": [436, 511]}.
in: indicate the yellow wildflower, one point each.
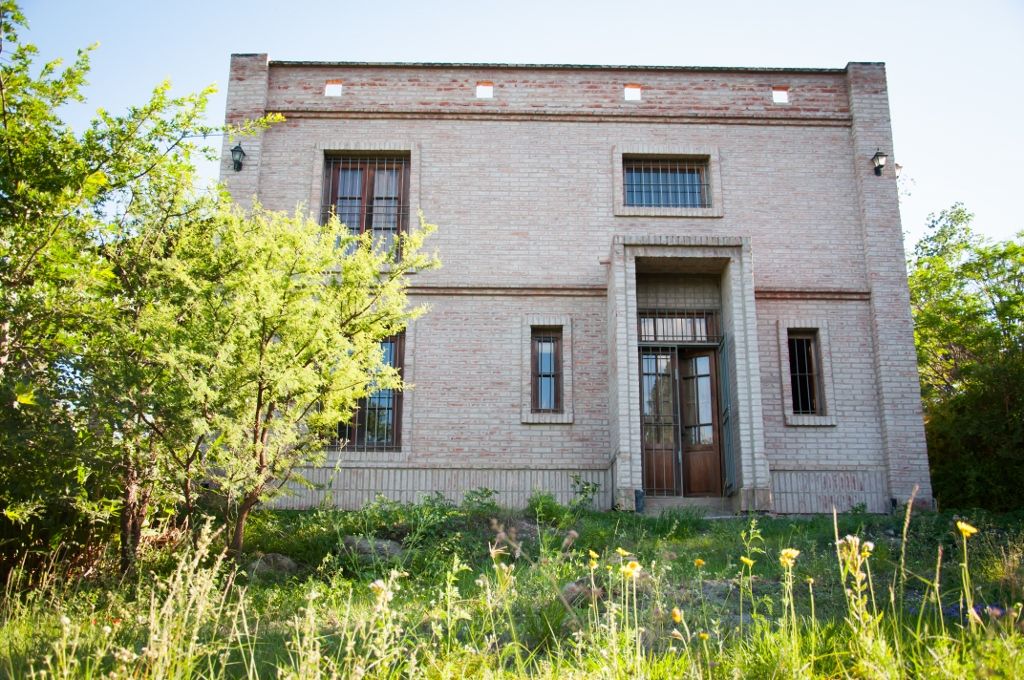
{"type": "Point", "coordinates": [622, 553]}
{"type": "Point", "coordinates": [747, 561]}
{"type": "Point", "coordinates": [966, 530]}
{"type": "Point", "coordinates": [703, 636]}
{"type": "Point", "coordinates": [677, 616]}
{"type": "Point", "coordinates": [698, 563]}
{"type": "Point", "coordinates": [631, 569]}
{"type": "Point", "coordinates": [593, 564]}
{"type": "Point", "coordinates": [593, 555]}
{"type": "Point", "coordinates": [788, 557]}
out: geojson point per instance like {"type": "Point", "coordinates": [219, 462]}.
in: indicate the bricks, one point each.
{"type": "Point", "coordinates": [523, 187]}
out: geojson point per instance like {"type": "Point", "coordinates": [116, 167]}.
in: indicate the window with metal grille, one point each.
{"type": "Point", "coordinates": [674, 326]}
{"type": "Point", "coordinates": [375, 424]}
{"type": "Point", "coordinates": [665, 182]}
{"type": "Point", "coordinates": [805, 373]}
{"type": "Point", "coordinates": [368, 193]}
{"type": "Point", "coordinates": [546, 365]}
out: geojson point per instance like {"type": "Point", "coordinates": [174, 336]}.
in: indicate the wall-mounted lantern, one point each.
{"type": "Point", "coordinates": [237, 155]}
{"type": "Point", "coordinates": [879, 160]}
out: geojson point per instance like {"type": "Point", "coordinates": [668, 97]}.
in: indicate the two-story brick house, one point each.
{"type": "Point", "coordinates": [685, 284]}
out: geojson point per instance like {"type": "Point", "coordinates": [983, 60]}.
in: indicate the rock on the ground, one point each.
{"type": "Point", "coordinates": [378, 548]}
{"type": "Point", "coordinates": [272, 563]}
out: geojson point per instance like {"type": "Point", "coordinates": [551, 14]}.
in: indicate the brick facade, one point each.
{"type": "Point", "coordinates": [526, 188]}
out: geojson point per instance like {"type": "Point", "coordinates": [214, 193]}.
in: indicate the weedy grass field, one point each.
{"type": "Point", "coordinates": [437, 590]}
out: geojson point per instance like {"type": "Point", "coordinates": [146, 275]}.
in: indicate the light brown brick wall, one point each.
{"type": "Point", "coordinates": [522, 189]}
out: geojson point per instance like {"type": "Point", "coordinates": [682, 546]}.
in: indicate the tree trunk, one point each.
{"type": "Point", "coordinates": [138, 492]}
{"type": "Point", "coordinates": [5, 346]}
{"type": "Point", "coordinates": [238, 534]}
{"type": "Point", "coordinates": [133, 514]}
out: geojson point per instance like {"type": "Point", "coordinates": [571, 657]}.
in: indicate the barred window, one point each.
{"type": "Point", "coordinates": [652, 182]}
{"type": "Point", "coordinates": [678, 326]}
{"type": "Point", "coordinates": [546, 364]}
{"type": "Point", "coordinates": [375, 424]}
{"type": "Point", "coordinates": [368, 193]}
{"type": "Point", "coordinates": [805, 373]}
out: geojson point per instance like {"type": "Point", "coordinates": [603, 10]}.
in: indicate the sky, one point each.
{"type": "Point", "coordinates": [955, 69]}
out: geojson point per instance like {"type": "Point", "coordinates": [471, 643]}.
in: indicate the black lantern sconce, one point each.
{"type": "Point", "coordinates": [237, 155]}
{"type": "Point", "coordinates": [879, 160]}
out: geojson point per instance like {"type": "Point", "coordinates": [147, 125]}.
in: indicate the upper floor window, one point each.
{"type": "Point", "coordinates": [375, 424]}
{"type": "Point", "coordinates": [368, 193]}
{"type": "Point", "coordinates": [665, 183]}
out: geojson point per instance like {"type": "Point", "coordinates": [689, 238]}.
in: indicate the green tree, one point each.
{"type": "Point", "coordinates": [74, 208]}
{"type": "Point", "coordinates": [274, 332]}
{"type": "Point", "coordinates": [967, 297]}
{"type": "Point", "coordinates": [150, 334]}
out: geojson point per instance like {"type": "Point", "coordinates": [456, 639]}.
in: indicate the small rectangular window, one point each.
{"type": "Point", "coordinates": [545, 371]}
{"type": "Point", "coordinates": [805, 373]}
{"type": "Point", "coordinates": [375, 424]}
{"type": "Point", "coordinates": [484, 89]}
{"type": "Point", "coordinates": [632, 92]}
{"type": "Point", "coordinates": [780, 95]}
{"type": "Point", "coordinates": [665, 183]}
{"type": "Point", "coordinates": [333, 88]}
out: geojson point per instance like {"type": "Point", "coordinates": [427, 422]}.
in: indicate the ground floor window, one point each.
{"type": "Point", "coordinates": [805, 373]}
{"type": "Point", "coordinates": [375, 425]}
{"type": "Point", "coordinates": [547, 350]}
{"type": "Point", "coordinates": [545, 370]}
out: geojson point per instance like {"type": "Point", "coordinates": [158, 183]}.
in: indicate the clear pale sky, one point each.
{"type": "Point", "coordinates": [956, 69]}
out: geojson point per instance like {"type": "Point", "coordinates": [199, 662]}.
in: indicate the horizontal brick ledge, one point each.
{"type": "Point", "coordinates": [548, 291]}
{"type": "Point", "coordinates": [807, 294]}
{"type": "Point", "coordinates": [477, 466]}
{"type": "Point", "coordinates": [566, 116]}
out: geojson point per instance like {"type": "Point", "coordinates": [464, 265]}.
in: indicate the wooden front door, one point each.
{"type": "Point", "coordinates": [659, 420]}
{"type": "Point", "coordinates": [679, 422]}
{"type": "Point", "coordinates": [702, 461]}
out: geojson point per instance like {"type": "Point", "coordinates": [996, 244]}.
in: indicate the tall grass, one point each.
{"type": "Point", "coordinates": [545, 607]}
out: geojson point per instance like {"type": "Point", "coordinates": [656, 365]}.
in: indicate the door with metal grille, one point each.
{"type": "Point", "coordinates": [659, 420]}
{"type": "Point", "coordinates": [702, 463]}
{"type": "Point", "coordinates": [679, 426]}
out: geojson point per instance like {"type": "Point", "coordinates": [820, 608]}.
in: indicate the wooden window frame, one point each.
{"type": "Point", "coordinates": [538, 335]}
{"type": "Point", "coordinates": [545, 323]}
{"type": "Point", "coordinates": [352, 437]}
{"type": "Point", "coordinates": [368, 164]}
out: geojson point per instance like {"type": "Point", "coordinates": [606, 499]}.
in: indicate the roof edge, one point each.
{"type": "Point", "coordinates": [562, 67]}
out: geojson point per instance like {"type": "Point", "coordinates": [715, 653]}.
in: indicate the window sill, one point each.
{"type": "Point", "coordinates": [644, 211]}
{"type": "Point", "coordinates": [546, 418]}
{"type": "Point", "coordinates": [794, 420]}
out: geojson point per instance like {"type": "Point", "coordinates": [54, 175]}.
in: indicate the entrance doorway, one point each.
{"type": "Point", "coordinates": [679, 426]}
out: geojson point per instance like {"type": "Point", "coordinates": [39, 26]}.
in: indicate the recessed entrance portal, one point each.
{"type": "Point", "coordinates": [679, 407]}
